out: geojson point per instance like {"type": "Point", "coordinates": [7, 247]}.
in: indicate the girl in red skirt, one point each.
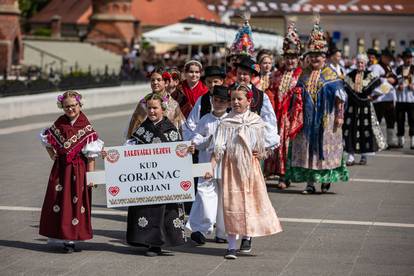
{"type": "Point", "coordinates": [72, 144]}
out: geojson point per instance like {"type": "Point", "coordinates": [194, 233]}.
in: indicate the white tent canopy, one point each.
{"type": "Point", "coordinates": [199, 34]}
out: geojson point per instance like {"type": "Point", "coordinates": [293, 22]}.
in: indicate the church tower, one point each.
{"type": "Point", "coordinates": [11, 45]}
{"type": "Point", "coordinates": [112, 24]}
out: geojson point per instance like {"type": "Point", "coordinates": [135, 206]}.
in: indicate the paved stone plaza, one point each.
{"type": "Point", "coordinates": [363, 227]}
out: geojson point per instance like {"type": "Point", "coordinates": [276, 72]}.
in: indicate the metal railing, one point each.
{"type": "Point", "coordinates": [44, 53]}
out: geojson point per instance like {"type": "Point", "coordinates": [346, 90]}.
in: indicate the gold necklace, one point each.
{"type": "Point", "coordinates": [312, 84]}
{"type": "Point", "coordinates": [285, 82]}
{"type": "Point", "coordinates": [358, 82]}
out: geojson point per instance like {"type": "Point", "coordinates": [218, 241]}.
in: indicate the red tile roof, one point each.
{"type": "Point", "coordinates": [272, 7]}
{"type": "Point", "coordinates": [71, 11]}
{"type": "Point", "coordinates": [148, 12]}
{"type": "Point", "coordinates": [165, 12]}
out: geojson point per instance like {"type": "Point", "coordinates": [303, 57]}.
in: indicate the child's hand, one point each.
{"type": "Point", "coordinates": [53, 156]}
{"type": "Point", "coordinates": [208, 175]}
{"type": "Point", "coordinates": [191, 149]}
{"type": "Point", "coordinates": [90, 184]}
{"type": "Point", "coordinates": [104, 154]}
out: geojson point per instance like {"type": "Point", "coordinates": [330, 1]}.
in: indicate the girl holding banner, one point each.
{"type": "Point", "coordinates": [153, 226]}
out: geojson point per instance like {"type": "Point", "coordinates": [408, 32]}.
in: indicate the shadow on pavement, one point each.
{"type": "Point", "coordinates": [190, 248]}
{"type": "Point", "coordinates": [121, 218]}
{"type": "Point", "coordinates": [85, 246]}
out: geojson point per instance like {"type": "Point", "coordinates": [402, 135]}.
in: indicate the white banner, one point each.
{"type": "Point", "coordinates": [148, 174]}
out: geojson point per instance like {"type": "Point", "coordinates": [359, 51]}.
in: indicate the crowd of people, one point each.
{"type": "Point", "coordinates": [253, 122]}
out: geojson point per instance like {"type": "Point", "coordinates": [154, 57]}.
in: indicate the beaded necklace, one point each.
{"type": "Point", "coordinates": [312, 84]}
{"type": "Point", "coordinates": [359, 82]}
{"type": "Point", "coordinates": [285, 83]}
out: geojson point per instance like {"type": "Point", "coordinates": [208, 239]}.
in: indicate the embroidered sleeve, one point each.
{"type": "Point", "coordinates": [43, 138]}
{"type": "Point", "coordinates": [93, 149]}
{"type": "Point", "coordinates": [269, 117]}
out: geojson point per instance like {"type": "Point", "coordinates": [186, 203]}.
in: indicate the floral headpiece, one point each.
{"type": "Point", "coordinates": [317, 42]}
{"type": "Point", "coordinates": [291, 43]}
{"type": "Point", "coordinates": [61, 98]}
{"type": "Point", "coordinates": [244, 88]}
{"type": "Point", "coordinates": [165, 75]}
{"type": "Point", "coordinates": [243, 43]}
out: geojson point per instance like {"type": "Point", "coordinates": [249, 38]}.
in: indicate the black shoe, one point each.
{"type": "Point", "coordinates": [230, 254]}
{"type": "Point", "coordinates": [325, 187]}
{"type": "Point", "coordinates": [220, 240]}
{"type": "Point", "coordinates": [70, 248]}
{"type": "Point", "coordinates": [310, 189]}
{"type": "Point", "coordinates": [246, 245]}
{"type": "Point", "coordinates": [153, 251]}
{"type": "Point", "coordinates": [198, 237]}
{"type": "Point", "coordinates": [363, 161]}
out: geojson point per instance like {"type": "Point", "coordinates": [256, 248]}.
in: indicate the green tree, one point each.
{"type": "Point", "coordinates": [31, 7]}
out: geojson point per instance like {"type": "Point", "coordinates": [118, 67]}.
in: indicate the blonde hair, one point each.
{"type": "Point", "coordinates": [69, 94]}
{"type": "Point", "coordinates": [156, 97]}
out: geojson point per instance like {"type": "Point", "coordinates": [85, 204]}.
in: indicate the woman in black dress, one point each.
{"type": "Point", "coordinates": [361, 130]}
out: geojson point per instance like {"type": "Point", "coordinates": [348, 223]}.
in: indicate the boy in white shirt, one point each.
{"type": "Point", "coordinates": [206, 210]}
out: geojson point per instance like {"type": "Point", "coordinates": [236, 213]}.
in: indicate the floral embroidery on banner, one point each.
{"type": "Point", "coordinates": [75, 221]}
{"type": "Point", "coordinates": [142, 222]}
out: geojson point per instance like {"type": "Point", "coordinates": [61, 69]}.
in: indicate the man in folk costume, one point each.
{"type": "Point", "coordinates": [405, 98]}
{"type": "Point", "coordinates": [385, 94]}
{"type": "Point", "coordinates": [316, 152]}
{"type": "Point", "coordinates": [286, 100]}
{"type": "Point", "coordinates": [335, 59]}
{"type": "Point", "coordinates": [213, 75]}
{"type": "Point", "coordinates": [158, 78]}
{"type": "Point", "coordinates": [372, 57]}
{"type": "Point", "coordinates": [361, 130]}
{"type": "Point", "coordinates": [242, 46]}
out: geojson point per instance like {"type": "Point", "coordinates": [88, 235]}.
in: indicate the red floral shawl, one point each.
{"type": "Point", "coordinates": [69, 140]}
{"type": "Point", "coordinates": [282, 101]}
{"type": "Point", "coordinates": [193, 94]}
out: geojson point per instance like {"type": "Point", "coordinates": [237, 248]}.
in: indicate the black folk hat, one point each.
{"type": "Point", "coordinates": [407, 53]}
{"type": "Point", "coordinates": [387, 53]}
{"type": "Point", "coordinates": [372, 51]}
{"type": "Point", "coordinates": [247, 63]}
{"type": "Point", "coordinates": [214, 71]}
{"type": "Point", "coordinates": [221, 91]}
